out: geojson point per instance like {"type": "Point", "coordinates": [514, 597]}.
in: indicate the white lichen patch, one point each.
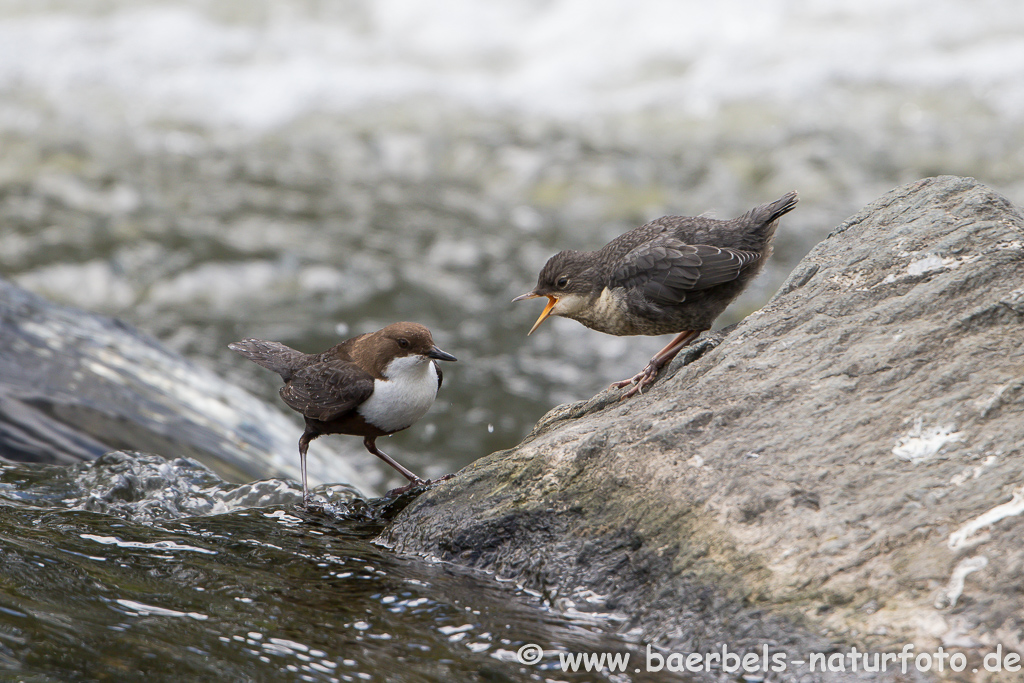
{"type": "Point", "coordinates": [970, 473]}
{"type": "Point", "coordinates": [955, 588]}
{"type": "Point", "coordinates": [965, 535]}
{"type": "Point", "coordinates": [929, 263]}
{"type": "Point", "coordinates": [850, 280]}
{"type": "Point", "coordinates": [920, 444]}
{"type": "Point", "coordinates": [992, 402]}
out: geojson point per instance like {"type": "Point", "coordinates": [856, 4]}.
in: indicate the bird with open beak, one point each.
{"type": "Point", "coordinates": [675, 274]}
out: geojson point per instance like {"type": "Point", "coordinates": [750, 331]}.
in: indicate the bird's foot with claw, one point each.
{"type": "Point", "coordinates": [640, 381]}
{"type": "Point", "coordinates": [416, 484]}
{"type": "Point", "coordinates": [405, 489]}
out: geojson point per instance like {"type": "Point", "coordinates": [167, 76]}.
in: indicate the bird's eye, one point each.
{"type": "Point", "coordinates": [403, 343]}
{"type": "Point", "coordinates": [562, 282]}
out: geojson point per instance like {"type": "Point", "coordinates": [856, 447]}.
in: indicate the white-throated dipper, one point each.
{"type": "Point", "coordinates": [371, 385]}
{"type": "Point", "coordinates": [675, 274]}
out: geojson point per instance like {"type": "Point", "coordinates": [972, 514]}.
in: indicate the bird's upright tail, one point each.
{"type": "Point", "coordinates": [275, 356]}
{"type": "Point", "coordinates": [772, 211]}
{"type": "Point", "coordinates": [766, 216]}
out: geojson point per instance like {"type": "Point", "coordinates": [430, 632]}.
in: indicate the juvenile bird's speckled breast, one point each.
{"type": "Point", "coordinates": [610, 314]}
{"type": "Point", "coordinates": [624, 312]}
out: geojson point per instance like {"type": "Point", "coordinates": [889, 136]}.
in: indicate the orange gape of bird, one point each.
{"type": "Point", "coordinates": [674, 275]}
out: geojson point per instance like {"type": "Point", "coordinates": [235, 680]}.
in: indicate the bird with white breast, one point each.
{"type": "Point", "coordinates": [372, 385]}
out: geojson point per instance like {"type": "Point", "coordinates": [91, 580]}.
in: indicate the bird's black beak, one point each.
{"type": "Point", "coordinates": [439, 354]}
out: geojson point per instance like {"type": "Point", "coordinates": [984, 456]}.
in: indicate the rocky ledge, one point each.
{"type": "Point", "coordinates": [75, 385]}
{"type": "Point", "coordinates": [844, 469]}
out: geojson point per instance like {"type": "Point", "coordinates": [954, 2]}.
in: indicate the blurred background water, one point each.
{"type": "Point", "coordinates": [304, 170]}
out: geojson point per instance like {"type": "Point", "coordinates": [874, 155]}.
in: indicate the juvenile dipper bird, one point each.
{"type": "Point", "coordinates": [371, 385]}
{"type": "Point", "coordinates": [675, 274]}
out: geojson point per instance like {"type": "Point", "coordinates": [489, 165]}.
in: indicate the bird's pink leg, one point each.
{"type": "Point", "coordinates": [646, 377]}
{"type": "Point", "coordinates": [371, 445]}
{"type": "Point", "coordinates": [303, 446]}
{"type": "Point", "coordinates": [414, 481]}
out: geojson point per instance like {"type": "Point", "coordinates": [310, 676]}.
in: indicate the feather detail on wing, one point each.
{"type": "Point", "coordinates": [666, 269]}
{"type": "Point", "coordinates": [327, 390]}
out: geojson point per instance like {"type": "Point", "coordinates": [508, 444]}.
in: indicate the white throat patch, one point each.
{"type": "Point", "coordinates": [404, 396]}
{"type": "Point", "coordinates": [569, 304]}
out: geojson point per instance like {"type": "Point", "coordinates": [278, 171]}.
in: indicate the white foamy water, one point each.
{"type": "Point", "coordinates": [259, 67]}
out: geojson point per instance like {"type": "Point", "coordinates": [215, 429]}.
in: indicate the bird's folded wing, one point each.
{"type": "Point", "coordinates": [666, 269]}
{"type": "Point", "coordinates": [327, 390]}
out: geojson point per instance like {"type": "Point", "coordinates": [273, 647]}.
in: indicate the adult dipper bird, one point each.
{"type": "Point", "coordinates": [371, 385]}
{"type": "Point", "coordinates": [675, 274]}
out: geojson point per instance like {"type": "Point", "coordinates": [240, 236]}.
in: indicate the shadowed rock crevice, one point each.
{"type": "Point", "coordinates": [825, 470]}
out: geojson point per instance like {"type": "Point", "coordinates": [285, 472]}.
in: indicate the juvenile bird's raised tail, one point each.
{"type": "Point", "coordinates": [275, 356]}
{"type": "Point", "coordinates": [772, 211]}
{"type": "Point", "coordinates": [764, 219]}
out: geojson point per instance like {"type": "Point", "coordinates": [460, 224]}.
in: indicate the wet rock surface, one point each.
{"type": "Point", "coordinates": [74, 385]}
{"type": "Point", "coordinates": [844, 467]}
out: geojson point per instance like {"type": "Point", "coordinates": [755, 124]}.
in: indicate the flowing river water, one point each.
{"type": "Point", "coordinates": [305, 171]}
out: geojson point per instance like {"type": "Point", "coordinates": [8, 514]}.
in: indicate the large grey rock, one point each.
{"type": "Point", "coordinates": [846, 468]}
{"type": "Point", "coordinates": [74, 385]}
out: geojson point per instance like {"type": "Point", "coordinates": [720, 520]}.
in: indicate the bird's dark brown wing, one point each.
{"type": "Point", "coordinates": [327, 390]}
{"type": "Point", "coordinates": [666, 269]}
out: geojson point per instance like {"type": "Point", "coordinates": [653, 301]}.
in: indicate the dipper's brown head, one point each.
{"type": "Point", "coordinates": [570, 281]}
{"type": "Point", "coordinates": [399, 340]}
